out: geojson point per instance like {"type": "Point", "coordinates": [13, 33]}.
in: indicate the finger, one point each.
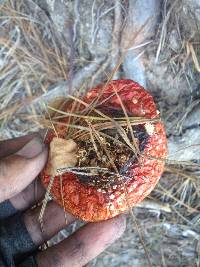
{"type": "Point", "coordinates": [53, 221]}
{"type": "Point", "coordinates": [31, 195]}
{"type": "Point", "coordinates": [11, 146]}
{"type": "Point", "coordinates": [34, 192]}
{"type": "Point", "coordinates": [32, 148]}
{"type": "Point", "coordinates": [84, 245]}
{"type": "Point", "coordinates": [17, 172]}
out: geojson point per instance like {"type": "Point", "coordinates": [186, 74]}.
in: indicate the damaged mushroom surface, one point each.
{"type": "Point", "coordinates": [121, 149]}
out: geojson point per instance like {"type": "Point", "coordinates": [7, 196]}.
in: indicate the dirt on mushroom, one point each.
{"type": "Point", "coordinates": [128, 171]}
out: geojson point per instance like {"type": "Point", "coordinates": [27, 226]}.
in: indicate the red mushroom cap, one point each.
{"type": "Point", "coordinates": [88, 201]}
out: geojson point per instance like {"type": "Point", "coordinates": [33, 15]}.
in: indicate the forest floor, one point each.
{"type": "Point", "coordinates": [51, 48]}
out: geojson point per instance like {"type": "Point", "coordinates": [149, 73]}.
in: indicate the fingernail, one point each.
{"type": "Point", "coordinates": [32, 148]}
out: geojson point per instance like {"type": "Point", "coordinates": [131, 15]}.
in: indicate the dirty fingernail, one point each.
{"type": "Point", "coordinates": [32, 148]}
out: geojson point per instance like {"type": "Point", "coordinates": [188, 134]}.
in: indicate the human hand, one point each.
{"type": "Point", "coordinates": [21, 160]}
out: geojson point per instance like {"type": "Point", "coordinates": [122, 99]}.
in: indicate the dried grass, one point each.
{"type": "Point", "coordinates": [33, 58]}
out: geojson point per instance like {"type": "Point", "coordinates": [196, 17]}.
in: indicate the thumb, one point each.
{"type": "Point", "coordinates": [17, 171]}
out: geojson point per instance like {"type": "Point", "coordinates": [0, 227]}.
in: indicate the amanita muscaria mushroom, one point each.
{"type": "Point", "coordinates": [120, 177]}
